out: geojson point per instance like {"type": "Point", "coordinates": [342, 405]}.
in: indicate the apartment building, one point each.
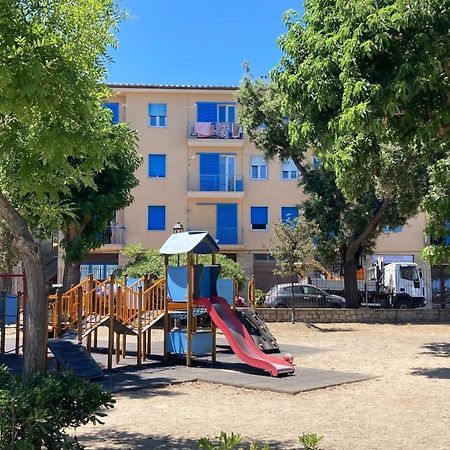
{"type": "Point", "coordinates": [201, 170]}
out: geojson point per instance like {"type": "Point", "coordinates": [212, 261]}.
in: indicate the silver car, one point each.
{"type": "Point", "coordinates": [305, 296]}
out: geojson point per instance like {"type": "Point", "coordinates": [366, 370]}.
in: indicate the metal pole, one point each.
{"type": "Point", "coordinates": [166, 311]}
{"type": "Point", "coordinates": [3, 322]}
{"type": "Point", "coordinates": [189, 311]}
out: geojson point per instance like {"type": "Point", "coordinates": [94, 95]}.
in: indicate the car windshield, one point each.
{"type": "Point", "coordinates": [409, 273]}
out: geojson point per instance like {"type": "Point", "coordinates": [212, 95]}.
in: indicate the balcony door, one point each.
{"type": "Point", "coordinates": [217, 172]}
{"type": "Point", "coordinates": [226, 223]}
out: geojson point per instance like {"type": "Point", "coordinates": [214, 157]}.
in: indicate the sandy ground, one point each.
{"type": "Point", "coordinates": [407, 405]}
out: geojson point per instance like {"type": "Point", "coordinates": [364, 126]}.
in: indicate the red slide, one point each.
{"type": "Point", "coordinates": [240, 340]}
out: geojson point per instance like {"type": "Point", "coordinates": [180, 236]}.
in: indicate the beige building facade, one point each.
{"type": "Point", "coordinates": [200, 169]}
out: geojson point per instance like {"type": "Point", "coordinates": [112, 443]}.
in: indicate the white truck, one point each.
{"type": "Point", "coordinates": [394, 285]}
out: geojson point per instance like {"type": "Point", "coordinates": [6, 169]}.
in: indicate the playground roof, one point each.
{"type": "Point", "coordinates": [199, 242]}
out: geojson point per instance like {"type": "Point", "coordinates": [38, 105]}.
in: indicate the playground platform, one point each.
{"type": "Point", "coordinates": [228, 370]}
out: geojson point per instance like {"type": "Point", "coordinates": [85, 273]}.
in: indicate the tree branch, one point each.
{"type": "Point", "coordinates": [370, 228]}
{"type": "Point", "coordinates": [300, 167]}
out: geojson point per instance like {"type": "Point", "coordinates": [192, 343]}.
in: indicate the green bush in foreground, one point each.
{"type": "Point", "coordinates": [37, 413]}
{"type": "Point", "coordinates": [308, 441]}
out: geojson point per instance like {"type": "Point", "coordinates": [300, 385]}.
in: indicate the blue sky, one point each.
{"type": "Point", "coordinates": [197, 41]}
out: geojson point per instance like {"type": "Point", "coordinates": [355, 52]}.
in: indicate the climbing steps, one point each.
{"type": "Point", "coordinates": [72, 356]}
{"type": "Point", "coordinates": [258, 330]}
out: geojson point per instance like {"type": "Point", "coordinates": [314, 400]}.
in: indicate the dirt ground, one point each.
{"type": "Point", "coordinates": [406, 406]}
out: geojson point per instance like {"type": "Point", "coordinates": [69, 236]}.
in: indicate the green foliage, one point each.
{"type": "Point", "coordinates": [365, 85]}
{"type": "Point", "coordinates": [38, 413]}
{"type": "Point", "coordinates": [293, 249]}
{"type": "Point", "coordinates": [231, 442]}
{"type": "Point", "coordinates": [310, 441]}
{"type": "Point", "coordinates": [92, 208]}
{"type": "Point", "coordinates": [260, 297]}
{"type": "Point", "coordinates": [151, 262]}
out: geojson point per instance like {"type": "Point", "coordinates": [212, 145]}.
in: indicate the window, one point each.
{"type": "Point", "coordinates": [157, 166]}
{"type": "Point", "coordinates": [289, 170]}
{"type": "Point", "coordinates": [263, 257]}
{"type": "Point", "coordinates": [288, 213]}
{"type": "Point", "coordinates": [388, 229]}
{"type": "Point", "coordinates": [156, 218]}
{"type": "Point", "coordinates": [114, 107]}
{"type": "Point", "coordinates": [259, 217]}
{"type": "Point", "coordinates": [157, 113]}
{"type": "Point", "coordinates": [226, 113]}
{"type": "Point", "coordinates": [258, 168]}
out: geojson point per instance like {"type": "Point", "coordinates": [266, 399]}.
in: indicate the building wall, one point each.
{"type": "Point", "coordinates": [196, 209]}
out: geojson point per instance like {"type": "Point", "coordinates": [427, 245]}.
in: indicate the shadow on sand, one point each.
{"type": "Point", "coordinates": [439, 373]}
{"type": "Point", "coordinates": [439, 349]}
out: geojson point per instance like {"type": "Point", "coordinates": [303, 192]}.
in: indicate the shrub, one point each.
{"type": "Point", "coordinates": [259, 298]}
{"type": "Point", "coordinates": [151, 262]}
{"type": "Point", "coordinates": [308, 441]}
{"type": "Point", "coordinates": [37, 413]}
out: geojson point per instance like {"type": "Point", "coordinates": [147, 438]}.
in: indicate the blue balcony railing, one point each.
{"type": "Point", "coordinates": [216, 183]}
{"type": "Point", "coordinates": [215, 130]}
{"type": "Point", "coordinates": [223, 235]}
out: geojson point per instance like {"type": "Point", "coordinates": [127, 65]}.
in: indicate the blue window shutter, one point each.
{"type": "Point", "coordinates": [209, 171]}
{"type": "Point", "coordinates": [114, 107]}
{"type": "Point", "coordinates": [206, 112]}
{"type": "Point", "coordinates": [288, 213]}
{"type": "Point", "coordinates": [227, 220]}
{"type": "Point", "coordinates": [157, 166]}
{"type": "Point", "coordinates": [259, 215]}
{"type": "Point", "coordinates": [156, 218]}
{"type": "Point", "coordinates": [157, 109]}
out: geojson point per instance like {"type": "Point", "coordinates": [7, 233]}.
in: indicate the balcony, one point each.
{"type": "Point", "coordinates": [113, 238]}
{"type": "Point", "coordinates": [224, 236]}
{"type": "Point", "coordinates": [227, 134]}
{"type": "Point", "coordinates": [215, 186]}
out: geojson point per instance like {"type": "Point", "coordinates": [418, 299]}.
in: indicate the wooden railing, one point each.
{"type": "Point", "coordinates": [85, 305]}
{"type": "Point", "coordinates": [251, 292]}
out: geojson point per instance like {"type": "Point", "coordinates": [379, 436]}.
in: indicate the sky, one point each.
{"type": "Point", "coordinates": [197, 41]}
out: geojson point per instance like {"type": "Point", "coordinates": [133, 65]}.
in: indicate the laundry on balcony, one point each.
{"type": "Point", "coordinates": [236, 132]}
{"type": "Point", "coordinates": [203, 129]}
{"type": "Point", "coordinates": [222, 130]}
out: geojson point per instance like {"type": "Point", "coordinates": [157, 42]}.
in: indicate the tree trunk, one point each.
{"type": "Point", "coordinates": [293, 303]}
{"type": "Point", "coordinates": [35, 352]}
{"type": "Point", "coordinates": [351, 281]}
{"type": "Point", "coordinates": [71, 275]}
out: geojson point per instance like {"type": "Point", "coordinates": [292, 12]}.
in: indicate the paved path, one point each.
{"type": "Point", "coordinates": [228, 370]}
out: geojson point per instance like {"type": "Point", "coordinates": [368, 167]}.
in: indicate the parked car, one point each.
{"type": "Point", "coordinates": [305, 296]}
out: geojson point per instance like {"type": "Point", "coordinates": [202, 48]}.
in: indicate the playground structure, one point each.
{"type": "Point", "coordinates": [13, 290]}
{"type": "Point", "coordinates": [195, 286]}
{"type": "Point", "coordinates": [130, 308]}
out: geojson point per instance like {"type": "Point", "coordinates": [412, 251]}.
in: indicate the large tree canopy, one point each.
{"type": "Point", "coordinates": [54, 132]}
{"type": "Point", "coordinates": [358, 72]}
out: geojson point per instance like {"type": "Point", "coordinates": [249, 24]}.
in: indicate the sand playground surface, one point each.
{"type": "Point", "coordinates": [405, 406]}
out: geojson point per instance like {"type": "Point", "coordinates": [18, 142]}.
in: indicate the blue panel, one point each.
{"type": "Point", "coordinates": [156, 218]}
{"type": "Point", "coordinates": [225, 289]}
{"type": "Point", "coordinates": [209, 171]}
{"type": "Point", "coordinates": [11, 309]}
{"type": "Point", "coordinates": [201, 342]}
{"type": "Point", "coordinates": [114, 107]}
{"type": "Point", "coordinates": [227, 220]}
{"type": "Point", "coordinates": [206, 112]}
{"type": "Point", "coordinates": [157, 109]}
{"type": "Point", "coordinates": [157, 166]}
{"type": "Point", "coordinates": [177, 283]}
{"type": "Point", "coordinates": [288, 213]}
{"type": "Point", "coordinates": [207, 285]}
{"type": "Point", "coordinates": [259, 215]}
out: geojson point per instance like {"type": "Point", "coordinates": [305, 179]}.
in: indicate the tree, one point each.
{"type": "Point", "coordinates": [152, 263]}
{"type": "Point", "coordinates": [8, 254]}
{"type": "Point", "coordinates": [347, 227]}
{"type": "Point", "coordinates": [54, 132]}
{"type": "Point", "coordinates": [293, 249]}
{"type": "Point", "coordinates": [92, 209]}
{"type": "Point", "coordinates": [357, 72]}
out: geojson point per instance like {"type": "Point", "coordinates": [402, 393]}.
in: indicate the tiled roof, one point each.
{"type": "Point", "coordinates": [171, 86]}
